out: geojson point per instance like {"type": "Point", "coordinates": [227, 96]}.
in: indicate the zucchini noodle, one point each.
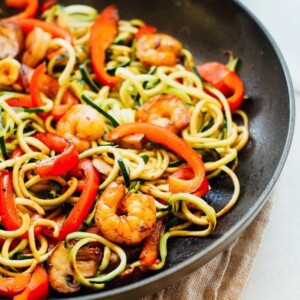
{"type": "Point", "coordinates": [86, 238]}
{"type": "Point", "coordinates": [69, 175]}
{"type": "Point", "coordinates": [17, 232]}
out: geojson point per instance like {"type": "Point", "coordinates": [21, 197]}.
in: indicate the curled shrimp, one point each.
{"type": "Point", "coordinates": [158, 49]}
{"type": "Point", "coordinates": [9, 71]}
{"type": "Point", "coordinates": [125, 219]}
{"type": "Point", "coordinates": [166, 111]}
{"type": "Point", "coordinates": [82, 124]}
{"type": "Point", "coordinates": [37, 44]}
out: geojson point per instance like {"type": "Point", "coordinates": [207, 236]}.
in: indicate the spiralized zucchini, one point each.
{"type": "Point", "coordinates": [215, 132]}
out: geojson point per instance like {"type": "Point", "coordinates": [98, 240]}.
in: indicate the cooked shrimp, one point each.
{"type": "Point", "coordinates": [166, 111]}
{"type": "Point", "coordinates": [125, 219]}
{"type": "Point", "coordinates": [158, 49]}
{"type": "Point", "coordinates": [11, 40]}
{"type": "Point", "coordinates": [9, 71]}
{"type": "Point", "coordinates": [82, 124]}
{"type": "Point", "coordinates": [37, 44]}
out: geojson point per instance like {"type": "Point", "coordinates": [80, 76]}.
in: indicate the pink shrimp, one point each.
{"type": "Point", "coordinates": [125, 219]}
{"type": "Point", "coordinates": [166, 111]}
{"type": "Point", "coordinates": [158, 49]}
{"type": "Point", "coordinates": [82, 124]}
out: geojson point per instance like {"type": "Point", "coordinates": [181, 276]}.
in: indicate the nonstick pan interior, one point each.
{"type": "Point", "coordinates": [209, 29]}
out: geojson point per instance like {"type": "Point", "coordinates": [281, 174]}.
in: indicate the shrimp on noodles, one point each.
{"type": "Point", "coordinates": [11, 40]}
{"type": "Point", "coordinates": [166, 111]}
{"type": "Point", "coordinates": [109, 146]}
{"type": "Point", "coordinates": [37, 45]}
{"type": "Point", "coordinates": [125, 219]}
{"type": "Point", "coordinates": [158, 49]}
{"type": "Point", "coordinates": [9, 71]}
{"type": "Point", "coordinates": [82, 124]}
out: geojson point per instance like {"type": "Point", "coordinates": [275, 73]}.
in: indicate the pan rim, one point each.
{"type": "Point", "coordinates": [147, 286]}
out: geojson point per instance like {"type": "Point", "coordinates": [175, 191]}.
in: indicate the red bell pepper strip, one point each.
{"type": "Point", "coordinates": [28, 25]}
{"type": "Point", "coordinates": [46, 84]}
{"type": "Point", "coordinates": [225, 80]}
{"type": "Point", "coordinates": [38, 286]}
{"type": "Point", "coordinates": [17, 153]}
{"type": "Point", "coordinates": [34, 88]}
{"type": "Point", "coordinates": [147, 29]}
{"type": "Point", "coordinates": [61, 163]}
{"type": "Point", "coordinates": [41, 82]}
{"type": "Point", "coordinates": [59, 110]}
{"type": "Point", "coordinates": [103, 32]}
{"type": "Point", "coordinates": [165, 137]}
{"type": "Point", "coordinates": [10, 218]}
{"type": "Point", "coordinates": [30, 9]}
{"type": "Point", "coordinates": [150, 249]}
{"type": "Point", "coordinates": [47, 5]}
{"type": "Point", "coordinates": [11, 286]}
{"type": "Point", "coordinates": [16, 4]}
{"type": "Point", "coordinates": [236, 85]}
{"type": "Point", "coordinates": [91, 178]}
{"type": "Point", "coordinates": [214, 73]}
{"type": "Point", "coordinates": [22, 101]}
{"type": "Point", "coordinates": [187, 173]}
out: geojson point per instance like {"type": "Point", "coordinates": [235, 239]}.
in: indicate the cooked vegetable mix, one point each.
{"type": "Point", "coordinates": [110, 135]}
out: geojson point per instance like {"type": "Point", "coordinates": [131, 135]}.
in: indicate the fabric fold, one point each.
{"type": "Point", "coordinates": [225, 276]}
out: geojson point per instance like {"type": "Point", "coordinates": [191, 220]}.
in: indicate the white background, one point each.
{"type": "Point", "coordinates": [276, 273]}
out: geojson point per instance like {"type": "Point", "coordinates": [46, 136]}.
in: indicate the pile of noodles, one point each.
{"type": "Point", "coordinates": [212, 132]}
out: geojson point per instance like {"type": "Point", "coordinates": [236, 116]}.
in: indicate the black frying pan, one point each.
{"type": "Point", "coordinates": [209, 28]}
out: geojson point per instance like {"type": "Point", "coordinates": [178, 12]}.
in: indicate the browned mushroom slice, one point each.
{"type": "Point", "coordinates": [11, 40]}
{"type": "Point", "coordinates": [102, 166]}
{"type": "Point", "coordinates": [88, 258]}
{"type": "Point", "coordinates": [133, 141]}
{"type": "Point", "coordinates": [59, 269]}
{"type": "Point", "coordinates": [87, 268]}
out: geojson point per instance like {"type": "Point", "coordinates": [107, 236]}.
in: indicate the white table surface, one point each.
{"type": "Point", "coordinates": [276, 272]}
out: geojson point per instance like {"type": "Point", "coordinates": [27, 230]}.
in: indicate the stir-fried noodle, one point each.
{"type": "Point", "coordinates": [110, 135]}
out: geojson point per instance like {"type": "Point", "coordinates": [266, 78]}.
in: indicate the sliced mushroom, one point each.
{"type": "Point", "coordinates": [102, 166]}
{"type": "Point", "coordinates": [89, 252]}
{"type": "Point", "coordinates": [133, 141]}
{"type": "Point", "coordinates": [59, 269]}
{"type": "Point", "coordinates": [87, 268]}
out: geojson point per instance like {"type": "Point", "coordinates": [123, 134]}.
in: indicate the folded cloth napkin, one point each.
{"type": "Point", "coordinates": [225, 276]}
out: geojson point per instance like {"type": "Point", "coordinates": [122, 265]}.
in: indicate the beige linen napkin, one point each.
{"type": "Point", "coordinates": [225, 276]}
